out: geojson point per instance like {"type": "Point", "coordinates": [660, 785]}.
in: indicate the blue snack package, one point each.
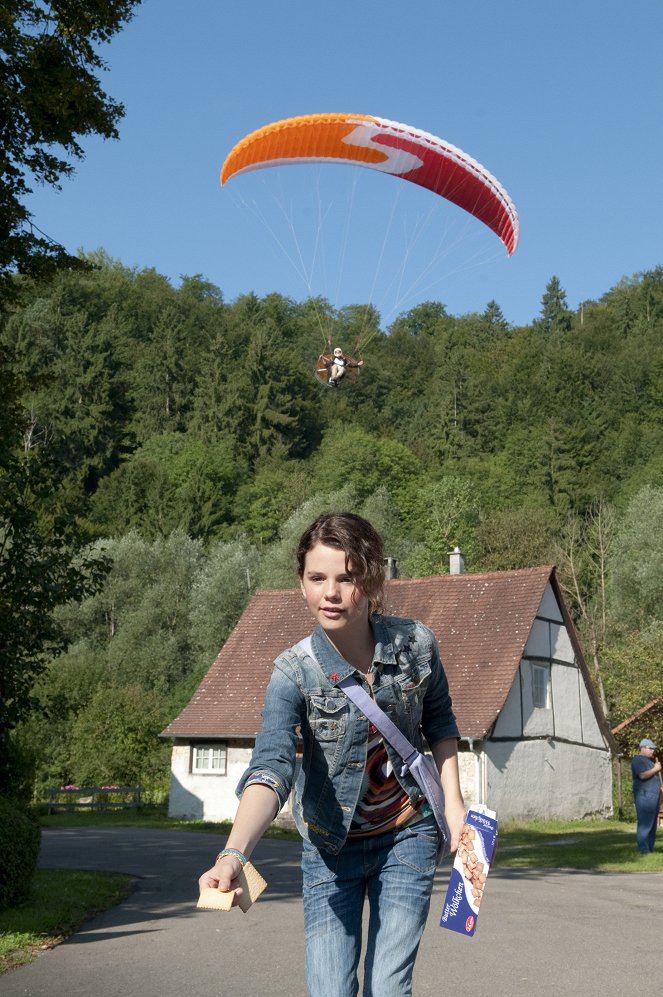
{"type": "Point", "coordinates": [476, 847]}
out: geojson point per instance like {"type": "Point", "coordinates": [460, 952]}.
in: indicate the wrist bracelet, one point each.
{"type": "Point", "coordinates": [232, 851]}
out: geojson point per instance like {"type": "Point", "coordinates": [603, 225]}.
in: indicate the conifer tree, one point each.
{"type": "Point", "coordinates": [555, 314]}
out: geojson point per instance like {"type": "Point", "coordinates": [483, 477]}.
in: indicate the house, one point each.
{"type": "Point", "coordinates": [534, 741]}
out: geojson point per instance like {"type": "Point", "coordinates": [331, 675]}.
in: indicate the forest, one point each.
{"type": "Point", "coordinates": [167, 446]}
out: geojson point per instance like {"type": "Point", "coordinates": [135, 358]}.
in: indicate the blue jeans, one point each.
{"type": "Point", "coordinates": [646, 807]}
{"type": "Point", "coordinates": [395, 871]}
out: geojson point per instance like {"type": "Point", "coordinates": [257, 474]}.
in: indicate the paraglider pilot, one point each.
{"type": "Point", "coordinates": [338, 364]}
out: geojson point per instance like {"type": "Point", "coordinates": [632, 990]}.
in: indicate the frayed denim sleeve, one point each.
{"type": "Point", "coordinates": [438, 720]}
{"type": "Point", "coordinates": [274, 755]}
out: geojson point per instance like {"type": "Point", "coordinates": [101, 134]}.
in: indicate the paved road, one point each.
{"type": "Point", "coordinates": [540, 934]}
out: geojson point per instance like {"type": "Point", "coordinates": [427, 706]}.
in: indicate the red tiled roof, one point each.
{"type": "Point", "coordinates": [482, 623]}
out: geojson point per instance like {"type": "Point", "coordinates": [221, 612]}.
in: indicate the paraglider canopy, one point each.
{"type": "Point", "coordinates": [389, 147]}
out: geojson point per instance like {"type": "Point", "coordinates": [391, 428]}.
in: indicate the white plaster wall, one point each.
{"type": "Point", "coordinates": [469, 771]}
{"type": "Point", "coordinates": [509, 721]}
{"type": "Point", "coordinates": [591, 732]}
{"type": "Point", "coordinates": [538, 644]}
{"type": "Point", "coordinates": [549, 607]}
{"type": "Point", "coordinates": [541, 779]}
{"type": "Point", "coordinates": [566, 681]}
{"type": "Point", "coordinates": [205, 797]}
{"type": "Point", "coordinates": [561, 647]}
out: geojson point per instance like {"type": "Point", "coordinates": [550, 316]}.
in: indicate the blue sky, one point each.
{"type": "Point", "coordinates": [561, 102]}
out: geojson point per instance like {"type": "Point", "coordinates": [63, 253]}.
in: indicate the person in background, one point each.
{"type": "Point", "coordinates": [647, 794]}
{"type": "Point", "coordinates": [339, 362]}
{"type": "Point", "coordinates": [368, 833]}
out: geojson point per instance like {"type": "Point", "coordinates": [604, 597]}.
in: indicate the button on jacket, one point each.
{"type": "Point", "coordinates": [303, 700]}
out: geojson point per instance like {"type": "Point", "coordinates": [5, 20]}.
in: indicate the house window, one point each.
{"type": "Point", "coordinates": [210, 758]}
{"type": "Point", "coordinates": [540, 686]}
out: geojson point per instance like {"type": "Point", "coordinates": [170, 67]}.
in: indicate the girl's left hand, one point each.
{"type": "Point", "coordinates": [455, 819]}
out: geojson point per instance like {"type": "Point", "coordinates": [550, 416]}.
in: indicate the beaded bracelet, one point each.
{"type": "Point", "coordinates": [232, 851]}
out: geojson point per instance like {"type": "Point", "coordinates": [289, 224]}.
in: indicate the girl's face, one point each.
{"type": "Point", "coordinates": [332, 597]}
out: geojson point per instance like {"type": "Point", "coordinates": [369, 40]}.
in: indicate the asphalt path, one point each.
{"type": "Point", "coordinates": [540, 933]}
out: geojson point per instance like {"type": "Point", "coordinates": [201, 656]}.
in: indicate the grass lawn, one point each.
{"type": "Point", "coordinates": [592, 845]}
{"type": "Point", "coordinates": [71, 897]}
{"type": "Point", "coordinates": [61, 900]}
{"type": "Point", "coordinates": [147, 816]}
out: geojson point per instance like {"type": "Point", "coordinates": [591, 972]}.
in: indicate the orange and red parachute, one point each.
{"type": "Point", "coordinates": [387, 146]}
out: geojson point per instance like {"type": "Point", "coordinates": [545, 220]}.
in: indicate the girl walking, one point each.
{"type": "Point", "coordinates": [369, 835]}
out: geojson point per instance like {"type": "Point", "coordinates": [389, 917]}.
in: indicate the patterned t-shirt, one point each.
{"type": "Point", "coordinates": [383, 804]}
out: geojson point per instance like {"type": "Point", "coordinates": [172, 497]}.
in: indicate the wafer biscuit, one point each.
{"type": "Point", "coordinates": [251, 883]}
{"type": "Point", "coordinates": [212, 899]}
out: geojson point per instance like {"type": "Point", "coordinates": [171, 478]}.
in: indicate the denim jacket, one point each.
{"type": "Point", "coordinates": [303, 700]}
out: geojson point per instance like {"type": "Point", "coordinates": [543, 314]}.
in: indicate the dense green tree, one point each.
{"type": "Point", "coordinates": [266, 501]}
{"type": "Point", "coordinates": [651, 299]}
{"type": "Point", "coordinates": [220, 592]}
{"type": "Point", "coordinates": [493, 317]}
{"type": "Point", "coordinates": [140, 494]}
{"type": "Point", "coordinates": [633, 674]}
{"type": "Point", "coordinates": [114, 740]}
{"type": "Point", "coordinates": [381, 510]}
{"type": "Point", "coordinates": [50, 97]}
{"type": "Point", "coordinates": [583, 554]}
{"type": "Point", "coordinates": [39, 570]}
{"type": "Point", "coordinates": [76, 402]}
{"type": "Point", "coordinates": [515, 537]}
{"type": "Point", "coordinates": [141, 617]}
{"type": "Point", "coordinates": [260, 393]}
{"type": "Point", "coordinates": [635, 568]}
{"type": "Point", "coordinates": [423, 319]}
{"type": "Point", "coordinates": [441, 515]}
{"type": "Point", "coordinates": [174, 481]}
{"type": "Point", "coordinates": [555, 314]}
{"type": "Point", "coordinates": [351, 458]}
{"type": "Point", "coordinates": [137, 627]}
{"type": "Point", "coordinates": [207, 420]}
{"type": "Point", "coordinates": [162, 379]}
{"type": "Point", "coordinates": [278, 390]}
{"type": "Point", "coordinates": [356, 327]}
{"type": "Point", "coordinates": [164, 612]}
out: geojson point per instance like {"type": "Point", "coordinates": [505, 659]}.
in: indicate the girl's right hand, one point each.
{"type": "Point", "coordinates": [223, 876]}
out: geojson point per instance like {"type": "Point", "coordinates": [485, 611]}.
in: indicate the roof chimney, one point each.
{"type": "Point", "coordinates": [456, 562]}
{"type": "Point", "coordinates": [390, 567]}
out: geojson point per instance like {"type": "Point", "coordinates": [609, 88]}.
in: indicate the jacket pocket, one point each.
{"type": "Point", "coordinates": [328, 717]}
{"type": "Point", "coordinates": [412, 689]}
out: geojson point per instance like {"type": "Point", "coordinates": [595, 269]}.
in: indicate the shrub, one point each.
{"type": "Point", "coordinates": [19, 847]}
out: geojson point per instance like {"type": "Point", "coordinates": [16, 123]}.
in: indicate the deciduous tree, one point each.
{"type": "Point", "coordinates": [50, 98]}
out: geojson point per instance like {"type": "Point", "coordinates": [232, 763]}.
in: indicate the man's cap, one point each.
{"type": "Point", "coordinates": [338, 351]}
{"type": "Point", "coordinates": [647, 743]}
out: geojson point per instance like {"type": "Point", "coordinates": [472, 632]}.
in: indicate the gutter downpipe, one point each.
{"type": "Point", "coordinates": [478, 772]}
{"type": "Point", "coordinates": [484, 776]}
